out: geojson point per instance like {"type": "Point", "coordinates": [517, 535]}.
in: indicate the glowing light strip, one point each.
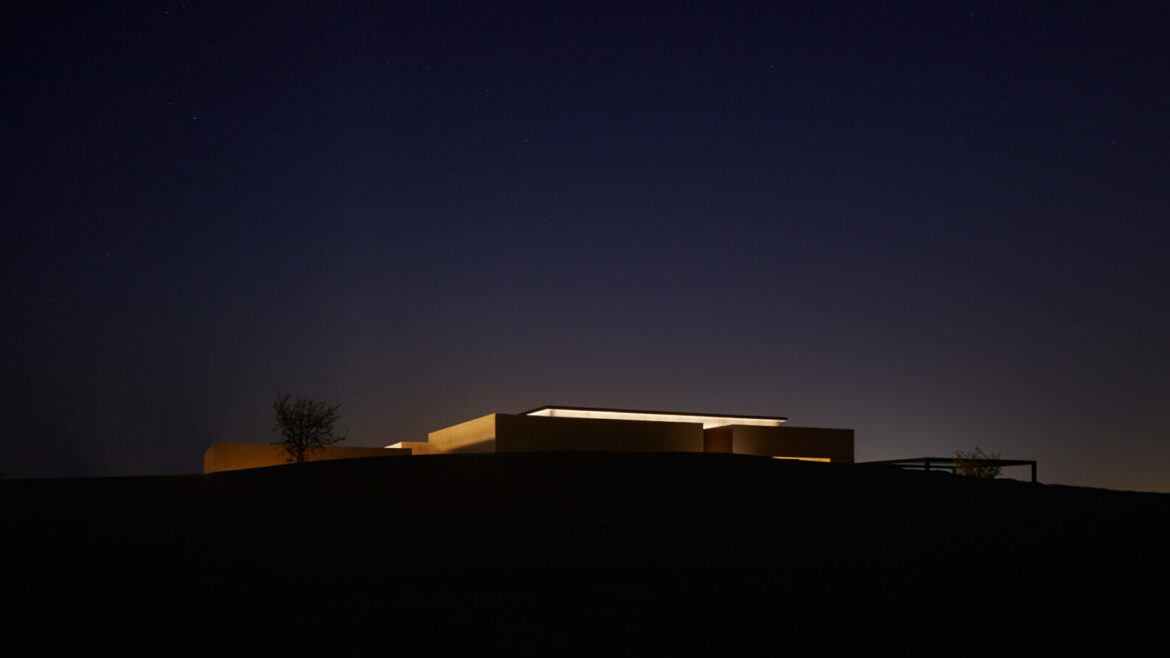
{"type": "Point", "coordinates": [707, 421]}
{"type": "Point", "coordinates": [804, 459]}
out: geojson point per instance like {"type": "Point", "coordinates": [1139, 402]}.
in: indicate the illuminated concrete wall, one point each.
{"type": "Point", "coordinates": [518, 433]}
{"type": "Point", "coordinates": [478, 435]}
{"type": "Point", "coordinates": [238, 456]}
{"type": "Point", "coordinates": [836, 445]}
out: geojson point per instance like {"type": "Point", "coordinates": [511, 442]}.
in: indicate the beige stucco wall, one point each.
{"type": "Point", "coordinates": [476, 435]}
{"type": "Point", "coordinates": [814, 442]}
{"type": "Point", "coordinates": [238, 456]}
{"type": "Point", "coordinates": [518, 433]}
{"type": "Point", "coordinates": [718, 439]}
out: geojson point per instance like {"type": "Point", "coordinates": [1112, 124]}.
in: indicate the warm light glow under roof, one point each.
{"type": "Point", "coordinates": [655, 416]}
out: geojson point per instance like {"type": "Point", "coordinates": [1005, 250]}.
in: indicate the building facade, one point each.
{"type": "Point", "coordinates": [582, 429]}
{"type": "Point", "coordinates": [562, 428]}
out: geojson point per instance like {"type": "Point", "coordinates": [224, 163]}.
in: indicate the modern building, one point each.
{"type": "Point", "coordinates": [584, 429]}
{"type": "Point", "coordinates": [569, 428]}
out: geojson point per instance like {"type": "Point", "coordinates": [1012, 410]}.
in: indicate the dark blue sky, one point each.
{"type": "Point", "coordinates": [942, 225]}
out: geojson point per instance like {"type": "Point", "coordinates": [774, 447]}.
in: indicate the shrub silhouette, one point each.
{"type": "Point", "coordinates": [974, 463]}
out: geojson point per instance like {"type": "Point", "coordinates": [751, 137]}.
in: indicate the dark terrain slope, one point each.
{"type": "Point", "coordinates": [583, 551]}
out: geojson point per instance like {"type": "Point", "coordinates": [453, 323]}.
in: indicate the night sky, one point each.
{"type": "Point", "coordinates": [944, 226]}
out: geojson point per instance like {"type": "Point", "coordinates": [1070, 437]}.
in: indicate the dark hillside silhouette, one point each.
{"type": "Point", "coordinates": [580, 550]}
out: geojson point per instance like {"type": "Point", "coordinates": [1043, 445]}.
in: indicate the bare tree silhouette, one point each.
{"type": "Point", "coordinates": [304, 425]}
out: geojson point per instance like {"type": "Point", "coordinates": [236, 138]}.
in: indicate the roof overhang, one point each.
{"type": "Point", "coordinates": [708, 420]}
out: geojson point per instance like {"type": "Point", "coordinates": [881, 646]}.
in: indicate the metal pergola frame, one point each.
{"type": "Point", "coordinates": [948, 463]}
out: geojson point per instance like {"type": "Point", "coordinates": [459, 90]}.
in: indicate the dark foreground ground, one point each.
{"type": "Point", "coordinates": [572, 553]}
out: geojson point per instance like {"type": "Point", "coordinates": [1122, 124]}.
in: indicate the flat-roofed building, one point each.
{"type": "Point", "coordinates": [556, 428]}
{"type": "Point", "coordinates": [571, 428]}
